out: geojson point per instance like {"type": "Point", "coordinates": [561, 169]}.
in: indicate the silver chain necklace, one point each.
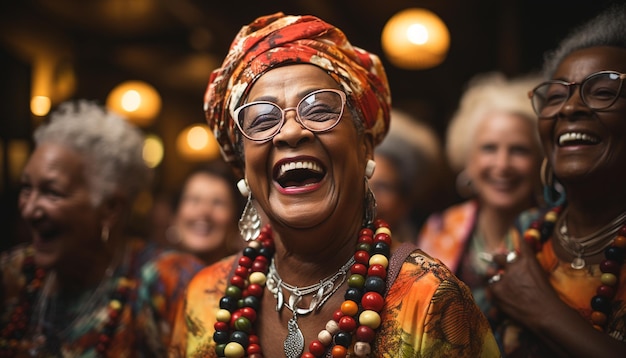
{"type": "Point", "coordinates": [587, 245]}
{"type": "Point", "coordinates": [294, 343]}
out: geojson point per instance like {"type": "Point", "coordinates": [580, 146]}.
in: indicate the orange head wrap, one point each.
{"type": "Point", "coordinates": [278, 39]}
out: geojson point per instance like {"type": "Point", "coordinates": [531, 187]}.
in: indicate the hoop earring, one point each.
{"type": "Point", "coordinates": [369, 168]}
{"type": "Point", "coordinates": [250, 221]}
{"type": "Point", "coordinates": [370, 206]}
{"type": "Point", "coordinates": [104, 234]}
{"type": "Point", "coordinates": [551, 193]}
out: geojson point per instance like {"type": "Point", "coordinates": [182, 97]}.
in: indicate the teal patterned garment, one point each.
{"type": "Point", "coordinates": [75, 324]}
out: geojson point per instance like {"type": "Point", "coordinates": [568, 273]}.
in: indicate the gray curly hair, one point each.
{"type": "Point", "coordinates": [487, 93]}
{"type": "Point", "coordinates": [112, 147]}
{"type": "Point", "coordinates": [606, 29]}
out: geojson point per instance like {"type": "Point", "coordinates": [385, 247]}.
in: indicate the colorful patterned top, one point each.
{"type": "Point", "coordinates": [74, 325]}
{"type": "Point", "coordinates": [575, 288]}
{"type": "Point", "coordinates": [428, 312]}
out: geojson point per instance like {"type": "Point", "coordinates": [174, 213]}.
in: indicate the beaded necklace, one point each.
{"type": "Point", "coordinates": [15, 330]}
{"type": "Point", "coordinates": [539, 232]}
{"type": "Point", "coordinates": [358, 316]}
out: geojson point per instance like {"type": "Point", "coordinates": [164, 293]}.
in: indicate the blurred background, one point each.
{"type": "Point", "coordinates": [163, 52]}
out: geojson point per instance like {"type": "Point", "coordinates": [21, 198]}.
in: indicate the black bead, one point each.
{"type": "Point", "coordinates": [343, 339]}
{"type": "Point", "coordinates": [381, 248]}
{"type": "Point", "coordinates": [353, 294]}
{"type": "Point", "coordinates": [250, 252]}
{"type": "Point", "coordinates": [601, 304]}
{"type": "Point", "coordinates": [614, 253]}
{"type": "Point", "coordinates": [267, 252]}
{"type": "Point", "coordinates": [376, 284]}
{"type": "Point", "coordinates": [241, 338]}
{"type": "Point", "coordinates": [221, 337]}
{"type": "Point", "coordinates": [228, 303]}
{"type": "Point", "coordinates": [251, 302]}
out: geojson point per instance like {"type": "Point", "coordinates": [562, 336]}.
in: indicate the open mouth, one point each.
{"type": "Point", "coordinates": [299, 173]}
{"type": "Point", "coordinates": [577, 138]}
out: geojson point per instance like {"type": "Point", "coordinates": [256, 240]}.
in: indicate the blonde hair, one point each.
{"type": "Point", "coordinates": [485, 94]}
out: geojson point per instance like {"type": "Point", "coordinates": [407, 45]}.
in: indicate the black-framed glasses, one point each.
{"type": "Point", "coordinates": [318, 111]}
{"type": "Point", "coordinates": [598, 91]}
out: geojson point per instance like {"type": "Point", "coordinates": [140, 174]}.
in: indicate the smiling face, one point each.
{"type": "Point", "coordinates": [56, 204]}
{"type": "Point", "coordinates": [504, 162]}
{"type": "Point", "coordinates": [206, 216]}
{"type": "Point", "coordinates": [301, 178]}
{"type": "Point", "coordinates": [586, 145]}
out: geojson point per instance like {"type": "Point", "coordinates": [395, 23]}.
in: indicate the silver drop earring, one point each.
{"type": "Point", "coordinates": [250, 221]}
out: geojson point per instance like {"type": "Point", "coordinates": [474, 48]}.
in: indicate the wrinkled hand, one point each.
{"type": "Point", "coordinates": [522, 290]}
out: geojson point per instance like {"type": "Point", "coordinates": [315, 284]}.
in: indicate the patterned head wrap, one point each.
{"type": "Point", "coordinates": [276, 40]}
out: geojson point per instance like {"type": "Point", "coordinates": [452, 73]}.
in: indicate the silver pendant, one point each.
{"type": "Point", "coordinates": [294, 343]}
{"type": "Point", "coordinates": [578, 263]}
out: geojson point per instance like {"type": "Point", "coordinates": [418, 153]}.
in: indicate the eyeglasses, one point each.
{"type": "Point", "coordinates": [318, 111]}
{"type": "Point", "coordinates": [598, 91]}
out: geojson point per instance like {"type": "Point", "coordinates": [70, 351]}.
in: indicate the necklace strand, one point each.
{"type": "Point", "coordinates": [541, 230]}
{"type": "Point", "coordinates": [588, 245]}
{"type": "Point", "coordinates": [235, 335]}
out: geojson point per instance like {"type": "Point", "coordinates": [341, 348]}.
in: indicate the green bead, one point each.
{"type": "Point", "coordinates": [364, 246]}
{"type": "Point", "coordinates": [233, 291]}
{"type": "Point", "coordinates": [219, 350]}
{"type": "Point", "coordinates": [356, 281]}
{"type": "Point", "coordinates": [243, 324]}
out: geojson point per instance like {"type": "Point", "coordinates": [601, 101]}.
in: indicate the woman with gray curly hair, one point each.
{"type": "Point", "coordinates": [565, 294]}
{"type": "Point", "coordinates": [82, 287]}
{"type": "Point", "coordinates": [493, 146]}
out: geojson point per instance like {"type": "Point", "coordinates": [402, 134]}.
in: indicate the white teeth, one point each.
{"type": "Point", "coordinates": [577, 136]}
{"type": "Point", "coordinates": [299, 165]}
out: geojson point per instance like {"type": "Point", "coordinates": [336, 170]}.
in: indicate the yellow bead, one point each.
{"type": "Point", "coordinates": [551, 216]}
{"type": "Point", "coordinates": [608, 279]}
{"type": "Point", "coordinates": [254, 244]}
{"type": "Point", "coordinates": [362, 349]}
{"type": "Point", "coordinates": [234, 350]}
{"type": "Point", "coordinates": [258, 278]}
{"type": "Point", "coordinates": [349, 308]}
{"type": "Point", "coordinates": [370, 318]}
{"type": "Point", "coordinates": [115, 304]}
{"type": "Point", "coordinates": [332, 327]}
{"type": "Point", "coordinates": [325, 337]}
{"type": "Point", "coordinates": [380, 260]}
{"type": "Point", "coordinates": [384, 230]}
{"type": "Point", "coordinates": [534, 233]}
{"type": "Point", "coordinates": [223, 315]}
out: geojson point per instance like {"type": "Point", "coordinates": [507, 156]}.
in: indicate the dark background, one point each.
{"type": "Point", "coordinates": [174, 44]}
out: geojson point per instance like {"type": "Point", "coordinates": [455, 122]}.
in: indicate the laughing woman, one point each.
{"type": "Point", "coordinates": [298, 110]}
{"type": "Point", "coordinates": [570, 294]}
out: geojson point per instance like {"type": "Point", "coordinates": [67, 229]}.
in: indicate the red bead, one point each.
{"type": "Point", "coordinates": [259, 266]}
{"type": "Point", "coordinates": [253, 348]}
{"type": "Point", "coordinates": [337, 315]}
{"type": "Point", "coordinates": [373, 301]}
{"type": "Point", "coordinates": [317, 348]}
{"type": "Point", "coordinates": [245, 261]}
{"type": "Point", "coordinates": [610, 266]}
{"type": "Point", "coordinates": [249, 313]}
{"type": "Point", "coordinates": [359, 269]}
{"type": "Point", "coordinates": [365, 334]}
{"type": "Point", "coordinates": [362, 257]}
{"type": "Point", "coordinates": [366, 240]}
{"type": "Point", "coordinates": [380, 223]}
{"type": "Point", "coordinates": [254, 339]}
{"type": "Point", "coordinates": [255, 290]}
{"type": "Point", "coordinates": [234, 317]}
{"type": "Point", "coordinates": [366, 232]}
{"type": "Point", "coordinates": [238, 281]}
{"type": "Point", "coordinates": [383, 237]}
{"type": "Point", "coordinates": [377, 270]}
{"type": "Point", "coordinates": [242, 271]}
{"type": "Point", "coordinates": [605, 291]}
{"type": "Point", "coordinates": [220, 326]}
{"type": "Point", "coordinates": [308, 355]}
{"type": "Point", "coordinates": [347, 324]}
{"type": "Point", "coordinates": [622, 231]}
